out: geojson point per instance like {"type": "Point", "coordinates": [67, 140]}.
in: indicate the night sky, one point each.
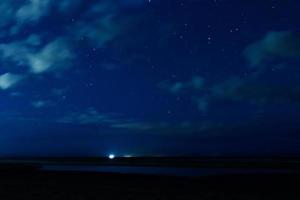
{"type": "Point", "coordinates": [149, 77]}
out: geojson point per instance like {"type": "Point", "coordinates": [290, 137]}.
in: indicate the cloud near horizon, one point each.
{"type": "Point", "coordinates": [92, 116]}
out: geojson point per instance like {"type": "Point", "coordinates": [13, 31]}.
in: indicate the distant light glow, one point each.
{"type": "Point", "coordinates": [127, 156]}
{"type": "Point", "coordinates": [111, 156]}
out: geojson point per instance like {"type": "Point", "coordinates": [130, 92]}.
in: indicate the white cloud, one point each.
{"type": "Point", "coordinates": [33, 10]}
{"type": "Point", "coordinates": [16, 52]}
{"type": "Point", "coordinates": [8, 80]}
{"type": "Point", "coordinates": [30, 12]}
{"type": "Point", "coordinates": [56, 55]}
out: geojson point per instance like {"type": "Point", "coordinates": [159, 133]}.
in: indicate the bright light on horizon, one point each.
{"type": "Point", "coordinates": [111, 156]}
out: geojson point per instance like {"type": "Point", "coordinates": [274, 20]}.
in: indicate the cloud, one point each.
{"type": "Point", "coordinates": [53, 57]}
{"type": "Point", "coordinates": [284, 44]}
{"type": "Point", "coordinates": [16, 14]}
{"type": "Point", "coordinates": [228, 88]}
{"type": "Point", "coordinates": [7, 10]}
{"type": "Point", "coordinates": [101, 23]}
{"type": "Point", "coordinates": [92, 116]}
{"type": "Point", "coordinates": [41, 103]}
{"type": "Point", "coordinates": [133, 126]}
{"type": "Point", "coordinates": [56, 55]}
{"type": "Point", "coordinates": [89, 116]}
{"type": "Point", "coordinates": [133, 2]}
{"type": "Point", "coordinates": [176, 87]}
{"type": "Point", "coordinates": [16, 52]}
{"type": "Point", "coordinates": [34, 40]}
{"type": "Point", "coordinates": [236, 89]}
{"type": "Point", "coordinates": [9, 80]}
{"type": "Point", "coordinates": [196, 83]}
{"type": "Point", "coordinates": [99, 31]}
{"type": "Point", "coordinates": [66, 5]}
{"type": "Point", "coordinates": [33, 10]}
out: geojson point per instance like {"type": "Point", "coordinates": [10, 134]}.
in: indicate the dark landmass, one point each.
{"type": "Point", "coordinates": [22, 178]}
{"type": "Point", "coordinates": [73, 185]}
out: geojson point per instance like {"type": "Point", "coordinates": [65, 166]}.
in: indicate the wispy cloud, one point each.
{"type": "Point", "coordinates": [89, 116]}
{"type": "Point", "coordinates": [33, 10]}
{"type": "Point", "coordinates": [99, 31]}
{"type": "Point", "coordinates": [99, 23]}
{"type": "Point", "coordinates": [42, 103]}
{"type": "Point", "coordinates": [118, 122]}
{"type": "Point", "coordinates": [282, 44]}
{"type": "Point", "coordinates": [9, 80]}
{"type": "Point", "coordinates": [55, 55]}
{"type": "Point", "coordinates": [133, 125]}
{"type": "Point", "coordinates": [236, 89]}
{"type": "Point", "coordinates": [18, 13]}
{"type": "Point", "coordinates": [196, 83]}
{"type": "Point", "coordinates": [7, 10]}
{"type": "Point", "coordinates": [92, 116]}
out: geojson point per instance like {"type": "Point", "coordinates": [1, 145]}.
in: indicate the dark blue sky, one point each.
{"type": "Point", "coordinates": [149, 77]}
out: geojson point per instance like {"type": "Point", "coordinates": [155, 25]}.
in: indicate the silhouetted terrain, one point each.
{"type": "Point", "coordinates": [30, 184]}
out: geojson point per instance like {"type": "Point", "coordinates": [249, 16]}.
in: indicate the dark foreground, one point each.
{"type": "Point", "coordinates": [74, 185]}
